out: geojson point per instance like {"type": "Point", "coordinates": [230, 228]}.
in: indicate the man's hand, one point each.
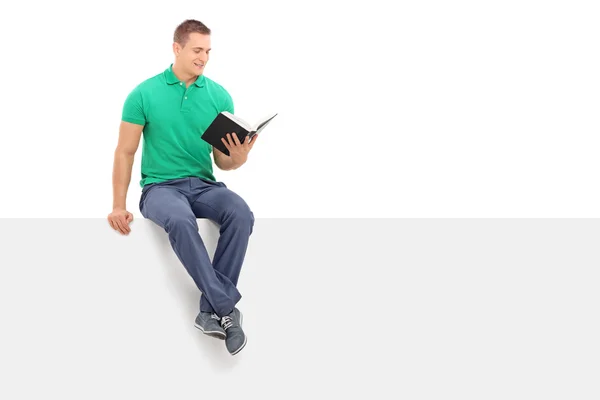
{"type": "Point", "coordinates": [119, 219]}
{"type": "Point", "coordinates": [238, 152]}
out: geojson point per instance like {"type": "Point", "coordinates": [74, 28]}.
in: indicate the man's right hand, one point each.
{"type": "Point", "coordinates": [119, 219]}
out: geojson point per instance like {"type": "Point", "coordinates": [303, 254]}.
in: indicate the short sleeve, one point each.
{"type": "Point", "coordinates": [228, 103]}
{"type": "Point", "coordinates": [133, 110]}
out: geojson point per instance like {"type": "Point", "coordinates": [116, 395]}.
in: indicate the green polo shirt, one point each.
{"type": "Point", "coordinates": [174, 118]}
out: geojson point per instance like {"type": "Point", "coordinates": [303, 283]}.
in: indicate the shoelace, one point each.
{"type": "Point", "coordinates": [226, 322]}
{"type": "Point", "coordinates": [215, 316]}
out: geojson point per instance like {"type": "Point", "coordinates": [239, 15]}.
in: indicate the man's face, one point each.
{"type": "Point", "coordinates": [194, 55]}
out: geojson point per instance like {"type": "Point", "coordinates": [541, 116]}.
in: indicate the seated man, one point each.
{"type": "Point", "coordinates": [172, 109]}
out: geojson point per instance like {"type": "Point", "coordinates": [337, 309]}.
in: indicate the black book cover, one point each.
{"type": "Point", "coordinates": [219, 128]}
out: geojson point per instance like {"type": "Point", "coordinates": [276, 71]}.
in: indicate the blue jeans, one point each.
{"type": "Point", "coordinates": [174, 205]}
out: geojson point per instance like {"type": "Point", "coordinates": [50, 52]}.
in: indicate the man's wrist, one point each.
{"type": "Point", "coordinates": [238, 164]}
{"type": "Point", "coordinates": [227, 163]}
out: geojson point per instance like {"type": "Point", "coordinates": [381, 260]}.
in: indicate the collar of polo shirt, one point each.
{"type": "Point", "coordinates": [172, 79]}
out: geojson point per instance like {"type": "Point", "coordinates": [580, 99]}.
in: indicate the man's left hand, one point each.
{"type": "Point", "coordinates": [238, 151]}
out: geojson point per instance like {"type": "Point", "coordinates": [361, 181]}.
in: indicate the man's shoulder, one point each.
{"type": "Point", "coordinates": [151, 82]}
{"type": "Point", "coordinates": [215, 86]}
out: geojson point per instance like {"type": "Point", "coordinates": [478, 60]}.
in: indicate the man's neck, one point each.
{"type": "Point", "coordinates": [187, 78]}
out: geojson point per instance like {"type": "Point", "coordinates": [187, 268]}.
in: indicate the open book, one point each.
{"type": "Point", "coordinates": [225, 123]}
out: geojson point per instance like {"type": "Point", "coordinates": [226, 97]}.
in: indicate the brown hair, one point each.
{"type": "Point", "coordinates": [182, 32]}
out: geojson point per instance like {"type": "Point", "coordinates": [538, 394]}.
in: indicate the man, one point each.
{"type": "Point", "coordinates": [173, 109]}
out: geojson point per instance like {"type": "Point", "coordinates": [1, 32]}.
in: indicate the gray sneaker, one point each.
{"type": "Point", "coordinates": [209, 324]}
{"type": "Point", "coordinates": [236, 338]}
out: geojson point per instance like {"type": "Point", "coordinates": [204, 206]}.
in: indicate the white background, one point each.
{"type": "Point", "coordinates": [386, 109]}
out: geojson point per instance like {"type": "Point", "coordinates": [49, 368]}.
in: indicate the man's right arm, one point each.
{"type": "Point", "coordinates": [129, 139]}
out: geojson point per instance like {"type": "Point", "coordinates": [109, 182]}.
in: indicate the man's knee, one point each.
{"type": "Point", "coordinates": [241, 215]}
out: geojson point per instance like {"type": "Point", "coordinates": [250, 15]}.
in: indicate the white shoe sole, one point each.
{"type": "Point", "coordinates": [215, 334]}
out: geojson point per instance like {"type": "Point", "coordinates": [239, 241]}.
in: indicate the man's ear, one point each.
{"type": "Point", "coordinates": [176, 48]}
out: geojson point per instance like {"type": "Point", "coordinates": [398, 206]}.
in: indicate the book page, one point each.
{"type": "Point", "coordinates": [259, 127]}
{"type": "Point", "coordinates": [237, 119]}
